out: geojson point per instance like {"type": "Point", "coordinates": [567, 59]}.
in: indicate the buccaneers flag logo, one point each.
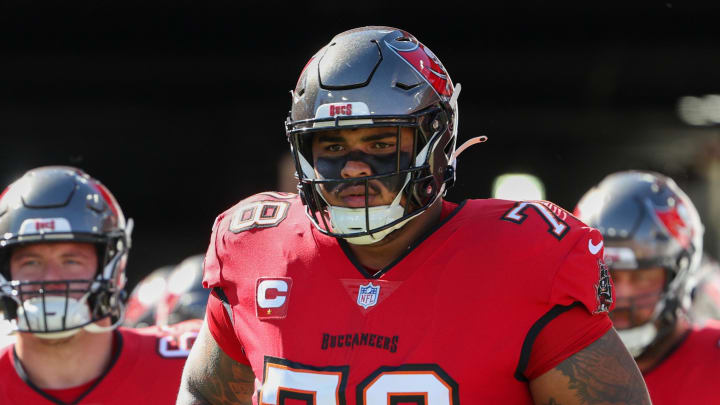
{"type": "Point", "coordinates": [425, 62]}
{"type": "Point", "coordinates": [676, 220]}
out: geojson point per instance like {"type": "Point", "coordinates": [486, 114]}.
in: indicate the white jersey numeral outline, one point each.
{"type": "Point", "coordinates": [424, 384]}
{"type": "Point", "coordinates": [176, 346]}
{"type": "Point", "coordinates": [258, 214]}
{"type": "Point", "coordinates": [558, 227]}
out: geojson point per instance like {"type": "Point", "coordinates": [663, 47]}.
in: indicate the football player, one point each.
{"type": "Point", "coordinates": [369, 288]}
{"type": "Point", "coordinates": [64, 243]}
{"type": "Point", "coordinates": [653, 247]}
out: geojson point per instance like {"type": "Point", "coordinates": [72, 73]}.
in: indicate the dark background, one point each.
{"type": "Point", "coordinates": [178, 106]}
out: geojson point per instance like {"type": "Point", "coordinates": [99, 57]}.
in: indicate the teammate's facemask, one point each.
{"type": "Point", "coordinates": [374, 77]}
{"type": "Point", "coordinates": [63, 204]}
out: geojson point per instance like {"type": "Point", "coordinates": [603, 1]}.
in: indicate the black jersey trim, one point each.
{"type": "Point", "coordinates": [23, 375]}
{"type": "Point", "coordinates": [533, 333]}
{"type": "Point", "coordinates": [220, 294]}
{"type": "Point", "coordinates": [439, 372]}
{"type": "Point", "coordinates": [346, 248]}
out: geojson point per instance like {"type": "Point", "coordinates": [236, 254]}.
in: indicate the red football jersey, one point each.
{"type": "Point", "coordinates": [689, 373]}
{"type": "Point", "coordinates": [454, 319]}
{"type": "Point", "coordinates": [146, 369]}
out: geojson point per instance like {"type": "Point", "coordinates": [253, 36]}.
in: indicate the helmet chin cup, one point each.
{"type": "Point", "coordinates": [53, 317]}
{"type": "Point", "coordinates": [637, 339]}
{"type": "Point", "coordinates": [352, 220]}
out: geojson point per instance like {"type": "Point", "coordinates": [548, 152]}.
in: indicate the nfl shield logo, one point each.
{"type": "Point", "coordinates": [368, 295]}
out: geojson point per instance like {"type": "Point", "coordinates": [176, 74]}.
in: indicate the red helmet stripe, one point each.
{"type": "Point", "coordinates": [429, 66]}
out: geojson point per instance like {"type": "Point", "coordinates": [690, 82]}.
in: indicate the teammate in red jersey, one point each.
{"type": "Point", "coordinates": [653, 246]}
{"type": "Point", "coordinates": [63, 247]}
{"type": "Point", "coordinates": [369, 288]}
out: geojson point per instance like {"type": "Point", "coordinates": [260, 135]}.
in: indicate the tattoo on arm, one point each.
{"type": "Point", "coordinates": [604, 372]}
{"type": "Point", "coordinates": [211, 377]}
{"type": "Point", "coordinates": [232, 384]}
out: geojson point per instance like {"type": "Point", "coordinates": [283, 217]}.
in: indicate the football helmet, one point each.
{"type": "Point", "coordinates": [184, 298]}
{"type": "Point", "coordinates": [63, 204]}
{"type": "Point", "coordinates": [647, 221]}
{"type": "Point", "coordinates": [375, 77]}
{"type": "Point", "coordinates": [141, 308]}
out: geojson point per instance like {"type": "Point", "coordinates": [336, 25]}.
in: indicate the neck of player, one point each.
{"type": "Point", "coordinates": [64, 363]}
{"type": "Point", "coordinates": [657, 353]}
{"type": "Point", "coordinates": [377, 256]}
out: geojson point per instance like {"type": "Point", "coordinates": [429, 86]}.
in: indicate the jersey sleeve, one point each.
{"type": "Point", "coordinates": [580, 299]}
{"type": "Point", "coordinates": [222, 329]}
{"type": "Point", "coordinates": [583, 276]}
{"type": "Point", "coordinates": [572, 330]}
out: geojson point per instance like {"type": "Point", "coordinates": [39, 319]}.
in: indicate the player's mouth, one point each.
{"type": "Point", "coordinates": [353, 196]}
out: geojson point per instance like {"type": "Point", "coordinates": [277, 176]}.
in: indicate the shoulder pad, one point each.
{"type": "Point", "coordinates": [263, 210]}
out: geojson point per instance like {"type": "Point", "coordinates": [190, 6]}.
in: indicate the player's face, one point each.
{"type": "Point", "coordinates": [355, 153]}
{"type": "Point", "coordinates": [637, 292]}
{"type": "Point", "coordinates": [54, 261]}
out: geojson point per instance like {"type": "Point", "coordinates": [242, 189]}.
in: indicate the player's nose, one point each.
{"type": "Point", "coordinates": [355, 168]}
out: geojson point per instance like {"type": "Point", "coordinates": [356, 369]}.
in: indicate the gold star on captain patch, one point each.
{"type": "Point", "coordinates": [269, 311]}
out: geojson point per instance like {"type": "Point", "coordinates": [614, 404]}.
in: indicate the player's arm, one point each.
{"type": "Point", "coordinates": [211, 377]}
{"type": "Point", "coordinates": [603, 373]}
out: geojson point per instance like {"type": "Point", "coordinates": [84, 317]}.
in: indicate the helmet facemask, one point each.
{"type": "Point", "coordinates": [646, 314]}
{"type": "Point", "coordinates": [407, 173]}
{"type": "Point", "coordinates": [56, 309]}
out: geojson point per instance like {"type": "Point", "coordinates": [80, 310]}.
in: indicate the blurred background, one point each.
{"type": "Point", "coordinates": [178, 107]}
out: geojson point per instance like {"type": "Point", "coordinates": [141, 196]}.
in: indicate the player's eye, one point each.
{"type": "Point", "coordinates": [382, 145]}
{"type": "Point", "coordinates": [30, 263]}
{"type": "Point", "coordinates": [72, 262]}
{"type": "Point", "coordinates": [335, 148]}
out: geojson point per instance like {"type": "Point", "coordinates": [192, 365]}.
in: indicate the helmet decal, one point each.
{"type": "Point", "coordinates": [424, 61]}
{"type": "Point", "coordinates": [32, 226]}
{"type": "Point", "coordinates": [675, 220]}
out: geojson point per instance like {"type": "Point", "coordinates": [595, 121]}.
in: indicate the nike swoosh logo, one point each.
{"type": "Point", "coordinates": [594, 248]}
